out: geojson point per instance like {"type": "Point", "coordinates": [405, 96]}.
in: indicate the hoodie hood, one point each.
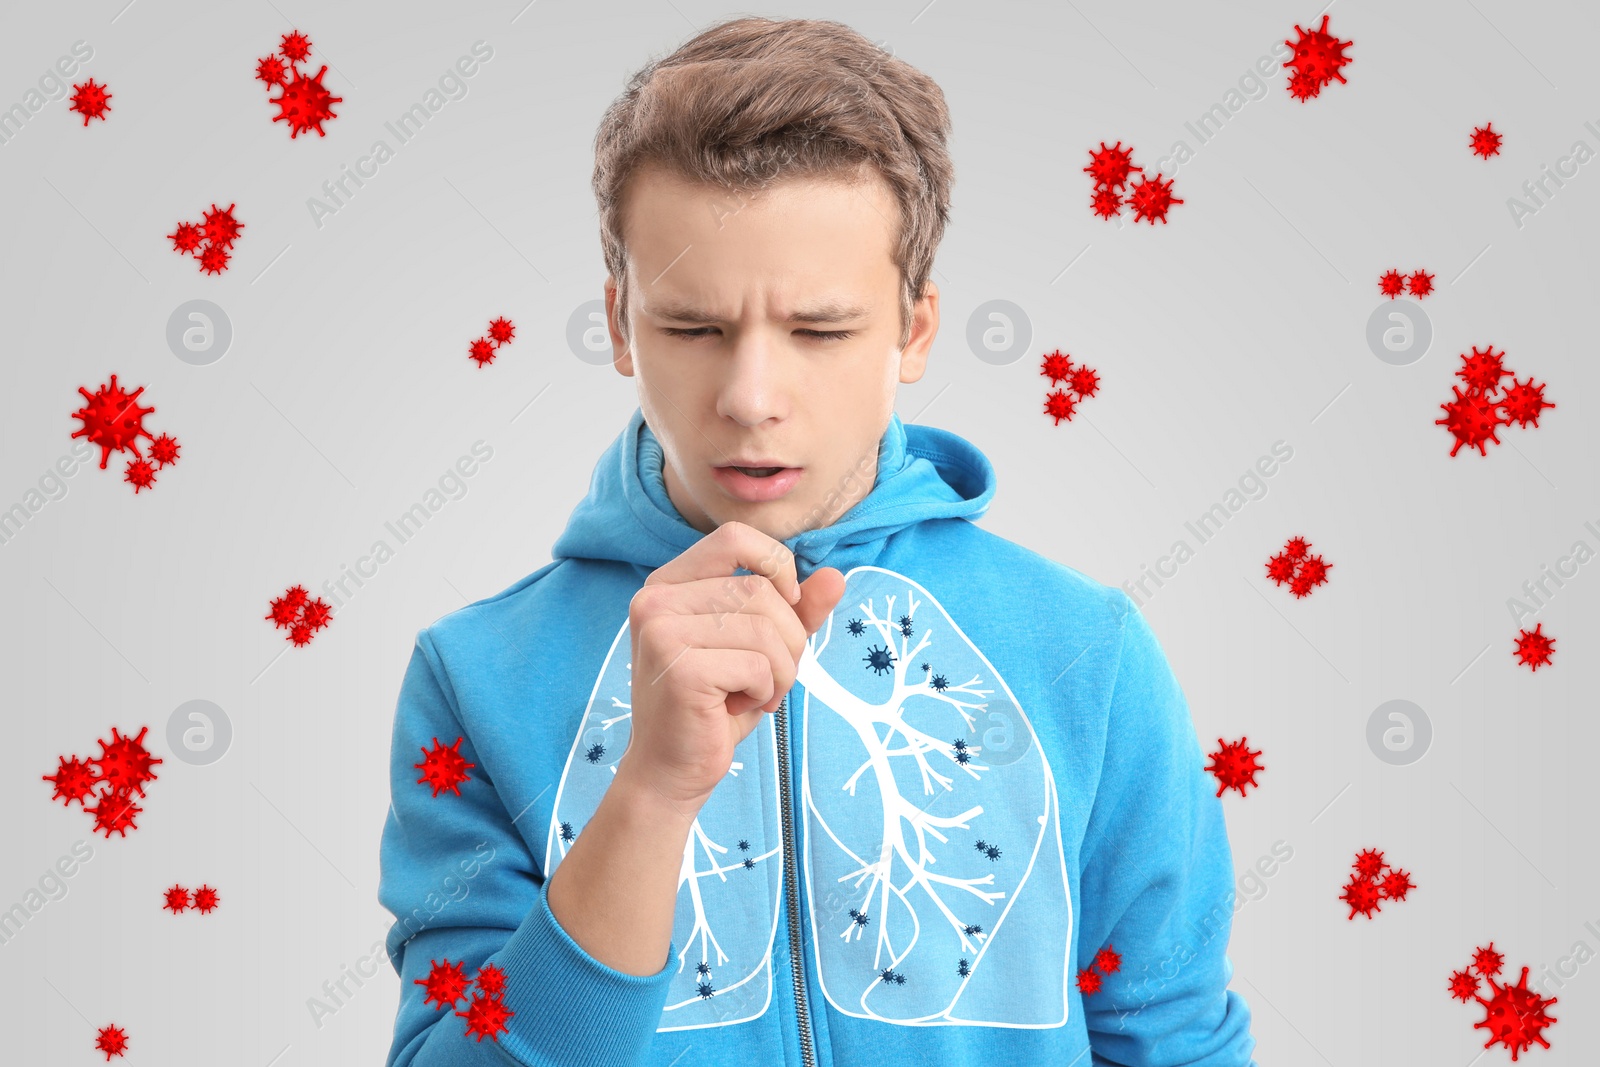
{"type": "Point", "coordinates": [923, 473]}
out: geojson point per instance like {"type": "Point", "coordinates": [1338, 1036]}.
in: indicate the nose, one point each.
{"type": "Point", "coordinates": [753, 388]}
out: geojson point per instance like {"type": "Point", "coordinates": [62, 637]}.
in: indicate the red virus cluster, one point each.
{"type": "Point", "coordinates": [120, 771]}
{"type": "Point", "coordinates": [1372, 881]}
{"type": "Point", "coordinates": [1485, 141]}
{"type": "Point", "coordinates": [209, 239]}
{"type": "Point", "coordinates": [112, 1040]}
{"type": "Point", "coordinates": [304, 103]}
{"type": "Point", "coordinates": [482, 351]}
{"type": "Point", "coordinates": [299, 613]}
{"type": "Point", "coordinates": [1105, 962]}
{"type": "Point", "coordinates": [1392, 283]}
{"type": "Point", "coordinates": [444, 768]}
{"type": "Point", "coordinates": [1297, 568]}
{"type": "Point", "coordinates": [1082, 381]}
{"type": "Point", "coordinates": [486, 1012]}
{"type": "Point", "coordinates": [1533, 648]}
{"type": "Point", "coordinates": [178, 899]}
{"type": "Point", "coordinates": [1111, 168]}
{"type": "Point", "coordinates": [1318, 57]}
{"type": "Point", "coordinates": [1514, 1015]}
{"type": "Point", "coordinates": [1234, 765]}
{"type": "Point", "coordinates": [91, 101]}
{"type": "Point", "coordinates": [1473, 416]}
{"type": "Point", "coordinates": [113, 419]}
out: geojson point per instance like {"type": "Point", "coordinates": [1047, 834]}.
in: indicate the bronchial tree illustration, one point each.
{"type": "Point", "coordinates": [930, 838]}
{"type": "Point", "coordinates": [727, 896]}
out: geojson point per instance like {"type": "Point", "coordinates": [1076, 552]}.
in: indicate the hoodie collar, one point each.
{"type": "Point", "coordinates": [923, 473]}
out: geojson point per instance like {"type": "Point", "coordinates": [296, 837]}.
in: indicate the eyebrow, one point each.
{"type": "Point", "coordinates": [821, 311]}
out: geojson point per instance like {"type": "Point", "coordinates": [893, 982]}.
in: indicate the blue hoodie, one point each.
{"type": "Point", "coordinates": [983, 794]}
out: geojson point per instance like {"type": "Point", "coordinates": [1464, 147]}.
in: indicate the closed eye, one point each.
{"type": "Point", "coordinates": [700, 331]}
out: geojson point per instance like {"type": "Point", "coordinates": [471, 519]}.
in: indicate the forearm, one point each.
{"type": "Point", "coordinates": [615, 892]}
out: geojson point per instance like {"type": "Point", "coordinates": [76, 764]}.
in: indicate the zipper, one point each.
{"type": "Point", "coordinates": [791, 887]}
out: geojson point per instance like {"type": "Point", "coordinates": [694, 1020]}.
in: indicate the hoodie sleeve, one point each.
{"type": "Point", "coordinates": [465, 890]}
{"type": "Point", "coordinates": [1157, 881]}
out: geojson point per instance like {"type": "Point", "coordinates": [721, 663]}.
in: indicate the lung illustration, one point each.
{"type": "Point", "coordinates": [933, 859]}
{"type": "Point", "coordinates": [732, 872]}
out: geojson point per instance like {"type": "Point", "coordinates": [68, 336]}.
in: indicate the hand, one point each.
{"type": "Point", "coordinates": [712, 653]}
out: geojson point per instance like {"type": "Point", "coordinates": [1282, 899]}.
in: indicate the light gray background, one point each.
{"type": "Point", "coordinates": [347, 392]}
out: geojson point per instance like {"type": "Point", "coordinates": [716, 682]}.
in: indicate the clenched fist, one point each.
{"type": "Point", "coordinates": [713, 653]}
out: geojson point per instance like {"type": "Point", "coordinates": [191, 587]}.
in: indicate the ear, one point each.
{"type": "Point", "coordinates": [924, 325]}
{"type": "Point", "coordinates": [621, 351]}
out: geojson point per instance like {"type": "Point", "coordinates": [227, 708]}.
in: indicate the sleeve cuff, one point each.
{"type": "Point", "coordinates": [571, 1009]}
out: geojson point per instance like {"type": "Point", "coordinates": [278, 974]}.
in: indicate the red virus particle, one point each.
{"type": "Point", "coordinates": [1392, 284]}
{"type": "Point", "coordinates": [1234, 765]}
{"type": "Point", "coordinates": [1523, 402]}
{"type": "Point", "coordinates": [1486, 961]}
{"type": "Point", "coordinates": [1314, 569]}
{"type": "Point", "coordinates": [74, 779]}
{"type": "Point", "coordinates": [1057, 366]}
{"type": "Point", "coordinates": [1369, 863]}
{"type": "Point", "coordinates": [112, 1040]}
{"type": "Point", "coordinates": [1111, 167]}
{"type": "Point", "coordinates": [220, 227]}
{"type": "Point", "coordinates": [296, 46]}
{"type": "Point", "coordinates": [214, 259]}
{"type": "Point", "coordinates": [206, 899]}
{"type": "Point", "coordinates": [1059, 405]}
{"type": "Point", "coordinates": [1363, 896]}
{"type": "Point", "coordinates": [1463, 985]}
{"type": "Point", "coordinates": [1108, 961]}
{"type": "Point", "coordinates": [1471, 420]}
{"type": "Point", "coordinates": [140, 474]}
{"type": "Point", "coordinates": [316, 613]}
{"type": "Point", "coordinates": [1396, 884]}
{"type": "Point", "coordinates": [1485, 141]}
{"type": "Point", "coordinates": [482, 351]}
{"type": "Point", "coordinates": [300, 635]}
{"type": "Point", "coordinates": [1303, 86]}
{"type": "Point", "coordinates": [90, 101]}
{"type": "Point", "coordinates": [1088, 981]}
{"type": "Point", "coordinates": [1296, 547]}
{"type": "Point", "coordinates": [116, 811]}
{"type": "Point", "coordinates": [1085, 381]}
{"type": "Point", "coordinates": [444, 768]}
{"type": "Point", "coordinates": [1419, 283]}
{"type": "Point", "coordinates": [491, 980]}
{"type": "Point", "coordinates": [282, 613]}
{"type": "Point", "coordinates": [1281, 568]}
{"type": "Point", "coordinates": [177, 899]}
{"type": "Point", "coordinates": [501, 331]}
{"type": "Point", "coordinates": [124, 763]}
{"type": "Point", "coordinates": [296, 596]}
{"type": "Point", "coordinates": [305, 104]}
{"type": "Point", "coordinates": [1107, 203]}
{"type": "Point", "coordinates": [1482, 371]}
{"type": "Point", "coordinates": [446, 983]}
{"type": "Point", "coordinates": [272, 70]}
{"type": "Point", "coordinates": [1514, 1015]}
{"type": "Point", "coordinates": [1318, 60]}
{"type": "Point", "coordinates": [1151, 199]}
{"type": "Point", "coordinates": [112, 419]}
{"type": "Point", "coordinates": [486, 1017]}
{"type": "Point", "coordinates": [1534, 648]}
{"type": "Point", "coordinates": [164, 450]}
{"type": "Point", "coordinates": [187, 237]}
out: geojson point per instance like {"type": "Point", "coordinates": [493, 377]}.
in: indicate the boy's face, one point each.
{"type": "Point", "coordinates": [734, 362]}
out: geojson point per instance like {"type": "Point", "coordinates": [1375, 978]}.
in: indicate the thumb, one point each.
{"type": "Point", "coordinates": [819, 594]}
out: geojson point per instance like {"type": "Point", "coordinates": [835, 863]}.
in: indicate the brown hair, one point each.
{"type": "Point", "coordinates": [753, 100]}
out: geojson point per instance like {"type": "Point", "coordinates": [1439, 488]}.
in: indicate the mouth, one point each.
{"type": "Point", "coordinates": [755, 482]}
